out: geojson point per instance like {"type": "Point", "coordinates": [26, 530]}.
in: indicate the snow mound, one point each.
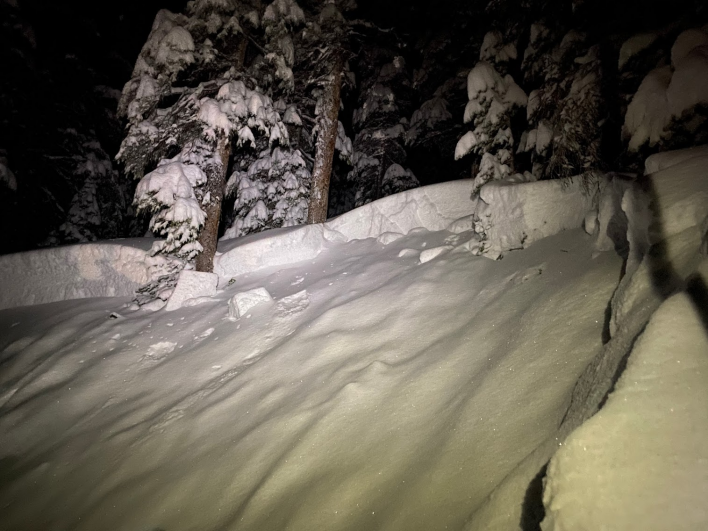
{"type": "Point", "coordinates": [240, 303]}
{"type": "Point", "coordinates": [431, 207]}
{"type": "Point", "coordinates": [109, 269]}
{"type": "Point", "coordinates": [192, 285]}
{"type": "Point", "coordinates": [662, 161]}
{"type": "Point", "coordinates": [642, 461]}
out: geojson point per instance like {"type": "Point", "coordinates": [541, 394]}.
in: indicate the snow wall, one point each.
{"type": "Point", "coordinates": [108, 269]}
{"type": "Point", "coordinates": [516, 215]}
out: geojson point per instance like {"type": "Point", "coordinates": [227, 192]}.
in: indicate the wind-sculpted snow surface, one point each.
{"type": "Point", "coordinates": [376, 392]}
{"type": "Point", "coordinates": [110, 269]}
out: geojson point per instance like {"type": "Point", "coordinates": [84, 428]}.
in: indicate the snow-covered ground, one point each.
{"type": "Point", "coordinates": [395, 381]}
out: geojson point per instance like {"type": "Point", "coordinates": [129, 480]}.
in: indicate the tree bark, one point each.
{"type": "Point", "coordinates": [326, 141]}
{"type": "Point", "coordinates": [215, 187]}
{"type": "Point", "coordinates": [214, 192]}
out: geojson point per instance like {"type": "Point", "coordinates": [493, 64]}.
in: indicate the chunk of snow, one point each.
{"type": "Point", "coordinates": [389, 237]}
{"type": "Point", "coordinates": [515, 215]}
{"type": "Point", "coordinates": [190, 285]}
{"type": "Point", "coordinates": [408, 252]}
{"type": "Point", "coordinates": [461, 225]}
{"type": "Point", "coordinates": [240, 303]}
{"type": "Point", "coordinates": [429, 254]}
{"type": "Point", "coordinates": [664, 160]}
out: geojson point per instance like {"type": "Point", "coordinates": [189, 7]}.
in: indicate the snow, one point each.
{"type": "Point", "coordinates": [515, 215]}
{"type": "Point", "coordinates": [108, 269]}
{"type": "Point", "coordinates": [670, 94]}
{"type": "Point", "coordinates": [689, 83]}
{"type": "Point", "coordinates": [644, 453]}
{"type": "Point", "coordinates": [685, 43]}
{"type": "Point", "coordinates": [648, 113]}
{"type": "Point", "coordinates": [341, 408]}
{"type": "Point", "coordinates": [242, 302]}
{"type": "Point", "coordinates": [633, 46]}
{"type": "Point", "coordinates": [662, 161]}
{"type": "Point", "coordinates": [191, 285]}
{"type": "Point", "coordinates": [379, 389]}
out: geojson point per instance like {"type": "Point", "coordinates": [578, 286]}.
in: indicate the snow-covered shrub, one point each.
{"type": "Point", "coordinates": [168, 193]}
{"type": "Point", "coordinates": [271, 193]}
{"type": "Point", "coordinates": [492, 101]}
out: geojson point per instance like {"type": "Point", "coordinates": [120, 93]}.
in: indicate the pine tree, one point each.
{"type": "Point", "coordinates": [493, 100]}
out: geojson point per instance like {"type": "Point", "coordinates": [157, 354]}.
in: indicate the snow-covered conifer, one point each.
{"type": "Point", "coordinates": [493, 100]}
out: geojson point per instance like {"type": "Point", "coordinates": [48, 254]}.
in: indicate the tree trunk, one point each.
{"type": "Point", "coordinates": [214, 192]}
{"type": "Point", "coordinates": [326, 140]}
{"type": "Point", "coordinates": [215, 186]}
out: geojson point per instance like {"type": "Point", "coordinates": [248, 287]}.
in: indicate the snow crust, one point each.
{"type": "Point", "coordinates": [108, 269]}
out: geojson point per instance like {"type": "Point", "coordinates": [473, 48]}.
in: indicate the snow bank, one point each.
{"type": "Point", "coordinates": [430, 207]}
{"type": "Point", "coordinates": [642, 461]}
{"type": "Point", "coordinates": [109, 269]}
{"type": "Point", "coordinates": [662, 161]}
{"type": "Point", "coordinates": [514, 215]}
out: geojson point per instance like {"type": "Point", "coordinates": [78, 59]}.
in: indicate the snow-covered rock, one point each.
{"type": "Point", "coordinates": [109, 269]}
{"type": "Point", "coordinates": [192, 285]}
{"type": "Point", "coordinates": [240, 303]}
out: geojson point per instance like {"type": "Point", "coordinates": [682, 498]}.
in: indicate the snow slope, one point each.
{"type": "Point", "coordinates": [373, 392]}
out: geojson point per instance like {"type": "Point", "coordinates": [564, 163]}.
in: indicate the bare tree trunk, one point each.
{"type": "Point", "coordinates": [326, 140]}
{"type": "Point", "coordinates": [215, 187]}
{"type": "Point", "coordinates": [213, 192]}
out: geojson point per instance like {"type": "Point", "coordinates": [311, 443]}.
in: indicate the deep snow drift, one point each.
{"type": "Point", "coordinates": [384, 386]}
